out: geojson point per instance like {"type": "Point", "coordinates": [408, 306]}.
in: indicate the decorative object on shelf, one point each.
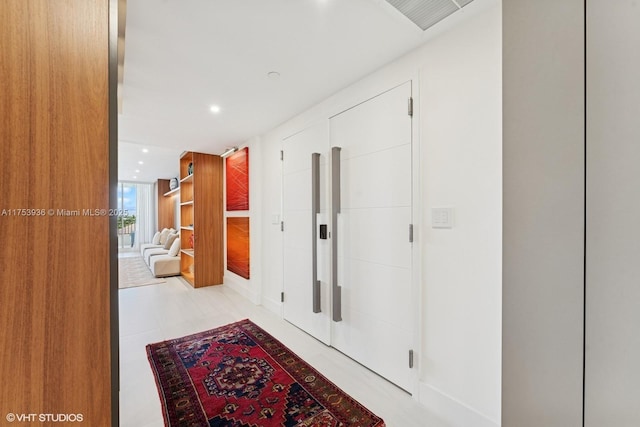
{"type": "Point", "coordinates": [237, 169]}
{"type": "Point", "coordinates": [190, 169]}
{"type": "Point", "coordinates": [173, 184]}
{"type": "Point", "coordinates": [191, 240]}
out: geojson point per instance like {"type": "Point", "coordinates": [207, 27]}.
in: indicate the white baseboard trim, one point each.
{"type": "Point", "coordinates": [451, 410]}
{"type": "Point", "coordinates": [242, 289]}
{"type": "Point", "coordinates": [272, 305]}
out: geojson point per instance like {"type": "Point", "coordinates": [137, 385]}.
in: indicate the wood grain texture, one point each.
{"type": "Point", "coordinates": [238, 246]}
{"type": "Point", "coordinates": [237, 180]}
{"type": "Point", "coordinates": [207, 214]}
{"type": "Point", "coordinates": [54, 269]}
{"type": "Point", "coordinates": [166, 206]}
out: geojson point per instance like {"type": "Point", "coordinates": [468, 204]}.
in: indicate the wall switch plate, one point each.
{"type": "Point", "coordinates": [441, 217]}
{"type": "Point", "coordinates": [275, 219]}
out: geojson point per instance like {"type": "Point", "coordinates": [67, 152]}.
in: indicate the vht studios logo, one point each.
{"type": "Point", "coordinates": [44, 418]}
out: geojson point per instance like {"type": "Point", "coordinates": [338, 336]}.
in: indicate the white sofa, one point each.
{"type": "Point", "coordinates": [159, 240]}
{"type": "Point", "coordinates": [165, 265]}
{"type": "Point", "coordinates": [163, 257]}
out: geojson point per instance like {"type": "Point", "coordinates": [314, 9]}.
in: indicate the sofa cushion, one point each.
{"type": "Point", "coordinates": [175, 248]}
{"type": "Point", "coordinates": [150, 253]}
{"type": "Point", "coordinates": [165, 265]}
{"type": "Point", "coordinates": [170, 238]}
{"type": "Point", "coordinates": [163, 235]}
{"type": "Point", "coordinates": [146, 246]}
{"type": "Point", "coordinates": [156, 238]}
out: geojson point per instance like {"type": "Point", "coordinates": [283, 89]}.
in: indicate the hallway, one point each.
{"type": "Point", "coordinates": [155, 313]}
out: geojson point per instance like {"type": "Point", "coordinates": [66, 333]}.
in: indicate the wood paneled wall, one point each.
{"type": "Point", "coordinates": [166, 206]}
{"type": "Point", "coordinates": [55, 280]}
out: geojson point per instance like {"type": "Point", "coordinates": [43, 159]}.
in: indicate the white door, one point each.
{"type": "Point", "coordinates": [311, 314]}
{"type": "Point", "coordinates": [372, 234]}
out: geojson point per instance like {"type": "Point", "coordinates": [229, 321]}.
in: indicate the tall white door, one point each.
{"type": "Point", "coordinates": [373, 214]}
{"type": "Point", "coordinates": [347, 250]}
{"type": "Point", "coordinates": [306, 286]}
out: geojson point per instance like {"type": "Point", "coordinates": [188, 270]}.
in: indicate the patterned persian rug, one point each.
{"type": "Point", "coordinates": [238, 375]}
{"type": "Point", "coordinates": [134, 272]}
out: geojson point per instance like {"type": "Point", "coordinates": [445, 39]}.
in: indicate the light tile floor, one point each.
{"type": "Point", "coordinates": [173, 309]}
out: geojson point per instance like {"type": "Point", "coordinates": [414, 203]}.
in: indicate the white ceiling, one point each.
{"type": "Point", "coordinates": [184, 55]}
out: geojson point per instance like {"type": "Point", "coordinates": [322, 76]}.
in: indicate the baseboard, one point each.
{"type": "Point", "coordinates": [241, 288]}
{"type": "Point", "coordinates": [456, 413]}
{"type": "Point", "coordinates": [272, 305]}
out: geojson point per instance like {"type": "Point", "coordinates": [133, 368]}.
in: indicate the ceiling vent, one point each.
{"type": "Point", "coordinates": [425, 13]}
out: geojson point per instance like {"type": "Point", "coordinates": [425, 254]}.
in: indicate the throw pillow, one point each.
{"type": "Point", "coordinates": [170, 238]}
{"type": "Point", "coordinates": [156, 238]}
{"type": "Point", "coordinates": [175, 247]}
{"type": "Point", "coordinates": [163, 236]}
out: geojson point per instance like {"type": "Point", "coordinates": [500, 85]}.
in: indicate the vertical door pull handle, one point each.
{"type": "Point", "coordinates": [335, 210]}
{"type": "Point", "coordinates": [315, 210]}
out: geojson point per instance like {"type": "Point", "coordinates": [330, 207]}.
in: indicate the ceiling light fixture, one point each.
{"type": "Point", "coordinates": [137, 170]}
{"type": "Point", "coordinates": [145, 150]}
{"type": "Point", "coordinates": [141, 162]}
{"type": "Point", "coordinates": [229, 151]}
{"type": "Point", "coordinates": [215, 109]}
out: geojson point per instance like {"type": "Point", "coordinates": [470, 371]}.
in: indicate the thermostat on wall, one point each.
{"type": "Point", "coordinates": [441, 217]}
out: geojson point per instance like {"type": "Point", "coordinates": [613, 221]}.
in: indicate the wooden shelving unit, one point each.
{"type": "Point", "coordinates": [166, 204]}
{"type": "Point", "coordinates": [201, 216]}
{"type": "Point", "coordinates": [171, 192]}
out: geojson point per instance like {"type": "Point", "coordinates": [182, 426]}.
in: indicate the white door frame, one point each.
{"type": "Point", "coordinates": [417, 217]}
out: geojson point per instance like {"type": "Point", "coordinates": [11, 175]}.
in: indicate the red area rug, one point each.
{"type": "Point", "coordinates": [238, 375]}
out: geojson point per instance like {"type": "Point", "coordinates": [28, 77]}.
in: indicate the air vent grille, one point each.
{"type": "Point", "coordinates": [426, 13]}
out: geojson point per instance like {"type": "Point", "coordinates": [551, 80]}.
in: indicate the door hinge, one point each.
{"type": "Point", "coordinates": [281, 225]}
{"type": "Point", "coordinates": [410, 107]}
{"type": "Point", "coordinates": [281, 296]}
{"type": "Point", "coordinates": [281, 154]}
{"type": "Point", "coordinates": [410, 233]}
{"type": "Point", "coordinates": [410, 359]}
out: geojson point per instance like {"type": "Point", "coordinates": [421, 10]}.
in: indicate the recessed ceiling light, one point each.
{"type": "Point", "coordinates": [145, 150]}
{"type": "Point", "coordinates": [135, 177]}
{"type": "Point", "coordinates": [137, 170]}
{"type": "Point", "coordinates": [141, 162]}
{"type": "Point", "coordinates": [273, 75]}
{"type": "Point", "coordinates": [215, 109]}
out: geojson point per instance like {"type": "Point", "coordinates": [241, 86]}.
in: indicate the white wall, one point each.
{"type": "Point", "coordinates": [457, 88]}
{"type": "Point", "coordinates": [250, 288]}
{"type": "Point", "coordinates": [461, 142]}
{"type": "Point", "coordinates": [543, 161]}
{"type": "Point", "coordinates": [612, 378]}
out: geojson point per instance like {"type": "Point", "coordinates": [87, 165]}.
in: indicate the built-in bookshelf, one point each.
{"type": "Point", "coordinates": [201, 219]}
{"type": "Point", "coordinates": [166, 204]}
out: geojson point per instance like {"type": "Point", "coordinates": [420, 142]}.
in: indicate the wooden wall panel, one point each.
{"type": "Point", "coordinates": [55, 260]}
{"type": "Point", "coordinates": [237, 180]}
{"type": "Point", "coordinates": [208, 219]}
{"type": "Point", "coordinates": [166, 206]}
{"type": "Point", "coordinates": [238, 246]}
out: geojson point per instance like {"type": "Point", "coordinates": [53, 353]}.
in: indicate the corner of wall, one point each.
{"type": "Point", "coordinates": [241, 286]}
{"type": "Point", "coordinates": [450, 409]}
